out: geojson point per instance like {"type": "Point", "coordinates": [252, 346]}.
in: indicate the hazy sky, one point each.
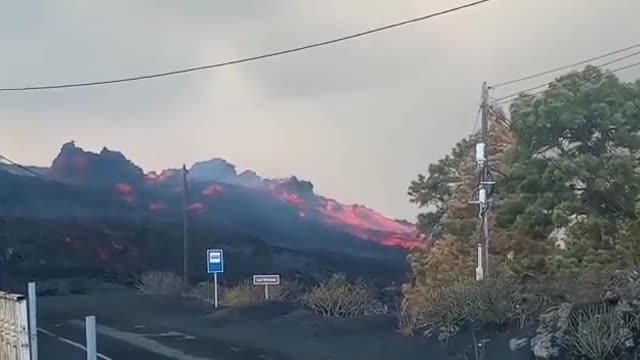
{"type": "Point", "coordinates": [359, 119]}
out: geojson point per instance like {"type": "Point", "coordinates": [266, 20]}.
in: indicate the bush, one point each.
{"type": "Point", "coordinates": [338, 297]}
{"type": "Point", "coordinates": [204, 291]}
{"type": "Point", "coordinates": [245, 293]}
{"type": "Point", "coordinates": [162, 283]}
{"type": "Point", "coordinates": [449, 308]}
{"type": "Point", "coordinates": [412, 318]}
{"type": "Point", "coordinates": [595, 333]}
{"type": "Point", "coordinates": [494, 302]}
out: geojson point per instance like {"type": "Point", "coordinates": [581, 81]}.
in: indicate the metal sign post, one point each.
{"type": "Point", "coordinates": [215, 265]}
{"type": "Point", "coordinates": [90, 332]}
{"type": "Point", "coordinates": [266, 280]}
{"type": "Point", "coordinates": [33, 325]}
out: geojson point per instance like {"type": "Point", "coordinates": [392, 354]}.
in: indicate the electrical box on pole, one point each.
{"type": "Point", "coordinates": [480, 156]}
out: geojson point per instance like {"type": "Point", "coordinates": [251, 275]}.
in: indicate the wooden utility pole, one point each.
{"type": "Point", "coordinates": [485, 183]}
{"type": "Point", "coordinates": [185, 225]}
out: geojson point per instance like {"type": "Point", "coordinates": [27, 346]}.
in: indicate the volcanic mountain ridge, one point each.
{"type": "Point", "coordinates": [287, 209]}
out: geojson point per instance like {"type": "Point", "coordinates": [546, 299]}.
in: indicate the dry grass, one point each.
{"type": "Point", "coordinates": [162, 283]}
{"type": "Point", "coordinates": [204, 291]}
{"type": "Point", "coordinates": [494, 302]}
{"type": "Point", "coordinates": [338, 297]}
{"type": "Point", "coordinates": [245, 293]}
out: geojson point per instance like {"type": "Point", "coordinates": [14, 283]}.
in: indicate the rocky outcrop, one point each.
{"type": "Point", "coordinates": [74, 164]}
{"type": "Point", "coordinates": [551, 332]}
{"type": "Point", "coordinates": [516, 344]}
{"type": "Point", "coordinates": [214, 170]}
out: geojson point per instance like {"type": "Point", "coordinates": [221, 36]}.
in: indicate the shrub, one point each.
{"type": "Point", "coordinates": [494, 302]}
{"type": "Point", "coordinates": [595, 333]}
{"type": "Point", "coordinates": [162, 283]}
{"type": "Point", "coordinates": [243, 294]}
{"type": "Point", "coordinates": [338, 297]}
{"type": "Point", "coordinates": [625, 285]}
{"type": "Point", "coordinates": [246, 293]}
{"type": "Point", "coordinates": [449, 308]}
{"type": "Point", "coordinates": [204, 291]}
{"type": "Point", "coordinates": [412, 318]}
{"type": "Point", "coordinates": [286, 291]}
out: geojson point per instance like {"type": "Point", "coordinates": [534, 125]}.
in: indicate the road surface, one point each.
{"type": "Point", "coordinates": [67, 342]}
{"type": "Point", "coordinates": [133, 327]}
{"type": "Point", "coordinates": [137, 326]}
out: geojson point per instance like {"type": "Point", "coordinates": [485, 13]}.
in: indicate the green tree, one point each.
{"type": "Point", "coordinates": [435, 191]}
{"type": "Point", "coordinates": [568, 159]}
{"type": "Point", "coordinates": [576, 164]}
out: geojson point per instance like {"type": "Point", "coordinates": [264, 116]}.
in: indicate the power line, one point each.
{"type": "Point", "coordinates": [31, 171]}
{"type": "Point", "coordinates": [253, 58]}
{"type": "Point", "coordinates": [542, 91]}
{"type": "Point", "coordinates": [626, 67]}
{"type": "Point", "coordinates": [565, 67]}
{"type": "Point", "coordinates": [500, 100]}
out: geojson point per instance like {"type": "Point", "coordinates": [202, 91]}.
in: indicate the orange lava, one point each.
{"type": "Point", "coordinates": [155, 178]}
{"type": "Point", "coordinates": [213, 190]}
{"type": "Point", "coordinates": [124, 188]}
{"type": "Point", "coordinates": [293, 199]}
{"type": "Point", "coordinates": [361, 220]}
{"type": "Point", "coordinates": [197, 208]}
{"type": "Point", "coordinates": [157, 206]}
{"type": "Point", "coordinates": [126, 192]}
{"type": "Point", "coordinates": [358, 220]}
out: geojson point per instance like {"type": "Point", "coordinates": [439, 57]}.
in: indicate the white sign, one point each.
{"type": "Point", "coordinates": [266, 279]}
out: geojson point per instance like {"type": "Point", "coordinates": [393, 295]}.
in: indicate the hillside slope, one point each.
{"type": "Point", "coordinates": [283, 212]}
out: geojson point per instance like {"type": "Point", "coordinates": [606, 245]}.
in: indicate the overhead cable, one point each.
{"type": "Point", "coordinates": [502, 99]}
{"type": "Point", "coordinates": [248, 59]}
{"type": "Point", "coordinates": [564, 67]}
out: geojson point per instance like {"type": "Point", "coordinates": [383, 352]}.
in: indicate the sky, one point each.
{"type": "Point", "coordinates": [359, 119]}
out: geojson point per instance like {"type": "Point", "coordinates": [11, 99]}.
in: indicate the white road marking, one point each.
{"type": "Point", "coordinates": [72, 343]}
{"type": "Point", "coordinates": [170, 333]}
{"type": "Point", "coordinates": [141, 342]}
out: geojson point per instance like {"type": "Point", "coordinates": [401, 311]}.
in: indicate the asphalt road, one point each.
{"type": "Point", "coordinates": [135, 327]}
{"type": "Point", "coordinates": [68, 342]}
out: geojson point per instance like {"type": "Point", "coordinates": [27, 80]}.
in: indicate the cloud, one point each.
{"type": "Point", "coordinates": [360, 119]}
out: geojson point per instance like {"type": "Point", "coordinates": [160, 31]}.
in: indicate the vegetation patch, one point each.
{"type": "Point", "coordinates": [246, 293]}
{"type": "Point", "coordinates": [162, 283]}
{"type": "Point", "coordinates": [338, 297]}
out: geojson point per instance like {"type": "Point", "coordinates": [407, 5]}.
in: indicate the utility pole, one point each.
{"type": "Point", "coordinates": [485, 183]}
{"type": "Point", "coordinates": [185, 225]}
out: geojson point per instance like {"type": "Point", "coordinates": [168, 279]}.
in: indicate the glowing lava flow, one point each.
{"type": "Point", "coordinates": [293, 199]}
{"type": "Point", "coordinates": [356, 219]}
{"type": "Point", "coordinates": [197, 208]}
{"type": "Point", "coordinates": [154, 178]}
{"type": "Point", "coordinates": [213, 190]}
{"type": "Point", "coordinates": [366, 223]}
{"type": "Point", "coordinates": [158, 206]}
{"type": "Point", "coordinates": [126, 192]}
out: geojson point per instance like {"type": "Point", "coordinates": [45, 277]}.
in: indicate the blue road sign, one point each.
{"type": "Point", "coordinates": [215, 261]}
